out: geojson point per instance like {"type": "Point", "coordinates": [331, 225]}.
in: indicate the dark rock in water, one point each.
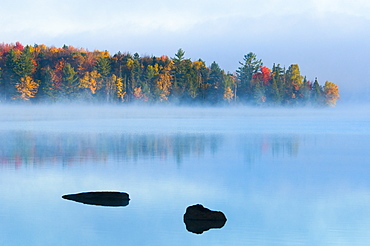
{"type": "Point", "coordinates": [199, 219]}
{"type": "Point", "coordinates": [100, 198]}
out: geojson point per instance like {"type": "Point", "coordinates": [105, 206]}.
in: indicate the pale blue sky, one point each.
{"type": "Point", "coordinates": [329, 39]}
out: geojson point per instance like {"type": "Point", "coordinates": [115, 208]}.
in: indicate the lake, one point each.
{"type": "Point", "coordinates": [298, 176]}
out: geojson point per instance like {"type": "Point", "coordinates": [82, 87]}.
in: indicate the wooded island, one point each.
{"type": "Point", "coordinates": [48, 74]}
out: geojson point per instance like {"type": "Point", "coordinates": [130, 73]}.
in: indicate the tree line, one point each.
{"type": "Point", "coordinates": [40, 73]}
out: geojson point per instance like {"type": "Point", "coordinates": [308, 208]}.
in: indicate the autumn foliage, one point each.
{"type": "Point", "coordinates": [49, 74]}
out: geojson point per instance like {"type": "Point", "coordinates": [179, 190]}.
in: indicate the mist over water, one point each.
{"type": "Point", "coordinates": [71, 117]}
{"type": "Point", "coordinates": [281, 176]}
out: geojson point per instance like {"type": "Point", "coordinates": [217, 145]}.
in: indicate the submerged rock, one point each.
{"type": "Point", "coordinates": [100, 198]}
{"type": "Point", "coordinates": [199, 219]}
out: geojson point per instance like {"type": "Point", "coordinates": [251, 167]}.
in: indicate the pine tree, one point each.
{"type": "Point", "coordinates": [70, 81]}
{"type": "Point", "coordinates": [25, 65]}
{"type": "Point", "coordinates": [317, 97]}
{"type": "Point", "coordinates": [103, 66]}
{"type": "Point", "coordinates": [201, 73]}
{"type": "Point", "coordinates": [179, 71]}
{"type": "Point", "coordinates": [9, 77]}
{"type": "Point", "coordinates": [249, 66]}
{"type": "Point", "coordinates": [46, 90]}
{"type": "Point", "coordinates": [215, 83]}
{"type": "Point", "coordinates": [278, 83]}
{"type": "Point", "coordinates": [275, 96]}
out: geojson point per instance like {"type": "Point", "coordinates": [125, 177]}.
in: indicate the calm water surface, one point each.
{"type": "Point", "coordinates": [281, 177]}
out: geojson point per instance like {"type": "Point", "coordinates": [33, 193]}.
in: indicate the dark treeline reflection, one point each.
{"type": "Point", "coordinates": [37, 148]}
{"type": "Point", "coordinates": [34, 148]}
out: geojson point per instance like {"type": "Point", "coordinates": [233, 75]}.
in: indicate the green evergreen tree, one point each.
{"type": "Point", "coordinates": [70, 81]}
{"type": "Point", "coordinates": [259, 93]}
{"type": "Point", "coordinates": [9, 77]}
{"type": "Point", "coordinates": [215, 83]}
{"type": "Point", "coordinates": [275, 96]}
{"type": "Point", "coordinates": [305, 92]}
{"type": "Point", "coordinates": [179, 56]}
{"type": "Point", "coordinates": [103, 66]}
{"type": "Point", "coordinates": [134, 81]}
{"type": "Point", "coordinates": [201, 73]}
{"type": "Point", "coordinates": [191, 82]}
{"type": "Point", "coordinates": [317, 94]}
{"type": "Point", "coordinates": [249, 66]}
{"type": "Point", "coordinates": [47, 92]}
{"type": "Point", "coordinates": [179, 71]}
{"type": "Point", "coordinates": [150, 74]}
{"type": "Point", "coordinates": [25, 64]}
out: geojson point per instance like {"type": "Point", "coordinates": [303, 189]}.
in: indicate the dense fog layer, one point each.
{"type": "Point", "coordinates": [138, 119]}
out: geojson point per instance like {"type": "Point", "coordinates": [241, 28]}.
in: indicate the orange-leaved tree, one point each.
{"type": "Point", "coordinates": [26, 88]}
{"type": "Point", "coordinates": [331, 93]}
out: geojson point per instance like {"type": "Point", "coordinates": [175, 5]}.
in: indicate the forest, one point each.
{"type": "Point", "coordinates": [40, 73]}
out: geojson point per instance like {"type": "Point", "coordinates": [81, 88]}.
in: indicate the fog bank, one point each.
{"type": "Point", "coordinates": [348, 118]}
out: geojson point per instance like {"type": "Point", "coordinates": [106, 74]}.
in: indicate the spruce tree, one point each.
{"type": "Point", "coordinates": [70, 81]}
{"type": "Point", "coordinates": [317, 94]}
{"type": "Point", "coordinates": [249, 66]}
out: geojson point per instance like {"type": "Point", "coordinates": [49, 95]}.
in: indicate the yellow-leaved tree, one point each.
{"type": "Point", "coordinates": [331, 93]}
{"type": "Point", "coordinates": [228, 94]}
{"type": "Point", "coordinates": [164, 83]}
{"type": "Point", "coordinates": [294, 81]}
{"type": "Point", "coordinates": [91, 80]}
{"type": "Point", "coordinates": [120, 90]}
{"type": "Point", "coordinates": [26, 88]}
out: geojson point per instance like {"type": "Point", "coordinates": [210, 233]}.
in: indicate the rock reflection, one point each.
{"type": "Point", "coordinates": [199, 219]}
{"type": "Point", "coordinates": [100, 198]}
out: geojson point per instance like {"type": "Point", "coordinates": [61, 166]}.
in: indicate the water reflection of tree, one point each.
{"type": "Point", "coordinates": [38, 149]}
{"type": "Point", "coordinates": [285, 145]}
{"type": "Point", "coordinates": [30, 148]}
{"type": "Point", "coordinates": [256, 146]}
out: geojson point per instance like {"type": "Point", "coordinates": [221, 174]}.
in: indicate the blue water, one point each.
{"type": "Point", "coordinates": [281, 177]}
